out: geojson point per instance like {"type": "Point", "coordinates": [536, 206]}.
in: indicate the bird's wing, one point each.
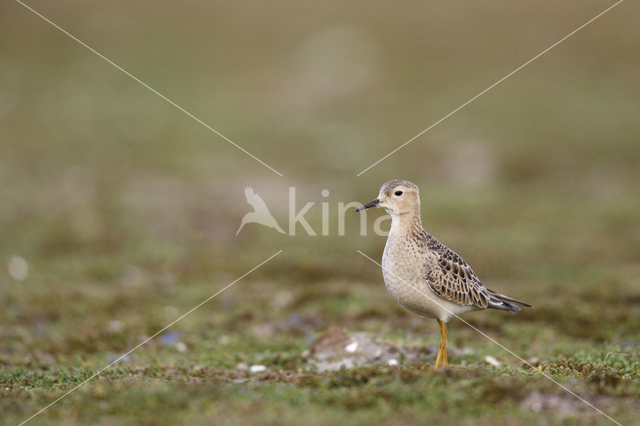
{"type": "Point", "coordinates": [255, 200]}
{"type": "Point", "coordinates": [452, 279]}
{"type": "Point", "coordinates": [248, 192]}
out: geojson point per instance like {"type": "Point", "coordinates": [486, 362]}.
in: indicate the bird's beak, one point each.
{"type": "Point", "coordinates": [370, 204]}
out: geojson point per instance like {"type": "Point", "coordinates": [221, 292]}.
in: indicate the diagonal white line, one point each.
{"type": "Point", "coordinates": [81, 384]}
{"type": "Point", "coordinates": [156, 92]}
{"type": "Point", "coordinates": [487, 89]}
{"type": "Point", "coordinates": [488, 337]}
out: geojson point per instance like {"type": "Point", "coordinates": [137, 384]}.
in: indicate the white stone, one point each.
{"type": "Point", "coordinates": [18, 268]}
{"type": "Point", "coordinates": [257, 368]}
{"type": "Point", "coordinates": [351, 347]}
{"type": "Point", "coordinates": [491, 360]}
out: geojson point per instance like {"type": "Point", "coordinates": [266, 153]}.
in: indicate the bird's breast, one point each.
{"type": "Point", "coordinates": [405, 265]}
{"type": "Point", "coordinates": [404, 270]}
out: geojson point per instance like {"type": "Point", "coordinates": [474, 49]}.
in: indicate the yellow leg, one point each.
{"type": "Point", "coordinates": [442, 347]}
{"type": "Point", "coordinates": [438, 357]}
{"type": "Point", "coordinates": [443, 328]}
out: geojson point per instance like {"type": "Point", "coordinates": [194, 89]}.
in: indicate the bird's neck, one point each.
{"type": "Point", "coordinates": [406, 224]}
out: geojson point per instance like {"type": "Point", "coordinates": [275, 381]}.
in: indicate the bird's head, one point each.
{"type": "Point", "coordinates": [397, 197]}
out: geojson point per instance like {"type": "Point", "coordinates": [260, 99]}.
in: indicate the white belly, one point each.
{"type": "Point", "coordinates": [404, 271]}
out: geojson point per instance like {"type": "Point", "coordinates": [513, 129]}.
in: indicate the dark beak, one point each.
{"type": "Point", "coordinates": [370, 204]}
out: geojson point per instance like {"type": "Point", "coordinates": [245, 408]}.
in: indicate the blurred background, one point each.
{"type": "Point", "coordinates": [118, 212]}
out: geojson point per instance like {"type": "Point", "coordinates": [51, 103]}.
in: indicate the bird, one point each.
{"type": "Point", "coordinates": [260, 214]}
{"type": "Point", "coordinates": [422, 274]}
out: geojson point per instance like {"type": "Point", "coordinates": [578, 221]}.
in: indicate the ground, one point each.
{"type": "Point", "coordinates": [119, 213]}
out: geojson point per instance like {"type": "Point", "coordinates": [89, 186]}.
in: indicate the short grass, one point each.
{"type": "Point", "coordinates": [126, 210]}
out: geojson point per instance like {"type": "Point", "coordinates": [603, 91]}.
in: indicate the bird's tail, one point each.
{"type": "Point", "coordinates": [505, 303]}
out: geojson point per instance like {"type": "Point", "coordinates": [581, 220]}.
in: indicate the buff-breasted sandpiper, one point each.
{"type": "Point", "coordinates": [422, 274]}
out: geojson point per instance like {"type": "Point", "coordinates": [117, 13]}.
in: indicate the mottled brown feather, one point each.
{"type": "Point", "coordinates": [453, 279]}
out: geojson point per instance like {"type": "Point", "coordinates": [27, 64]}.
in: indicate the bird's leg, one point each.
{"type": "Point", "coordinates": [443, 327]}
{"type": "Point", "coordinates": [439, 355]}
{"type": "Point", "coordinates": [442, 347]}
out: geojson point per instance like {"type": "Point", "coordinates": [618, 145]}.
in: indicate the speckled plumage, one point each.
{"type": "Point", "coordinates": [421, 273]}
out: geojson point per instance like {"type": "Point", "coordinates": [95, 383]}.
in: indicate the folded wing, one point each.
{"type": "Point", "coordinates": [455, 281]}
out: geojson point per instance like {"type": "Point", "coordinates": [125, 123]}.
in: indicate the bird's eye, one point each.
{"type": "Point", "coordinates": [398, 193]}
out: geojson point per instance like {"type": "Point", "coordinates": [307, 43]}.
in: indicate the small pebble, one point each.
{"type": "Point", "coordinates": [491, 360]}
{"type": "Point", "coordinates": [257, 368]}
{"type": "Point", "coordinates": [351, 347]}
{"type": "Point", "coordinates": [392, 362]}
{"type": "Point", "coordinates": [18, 268]}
